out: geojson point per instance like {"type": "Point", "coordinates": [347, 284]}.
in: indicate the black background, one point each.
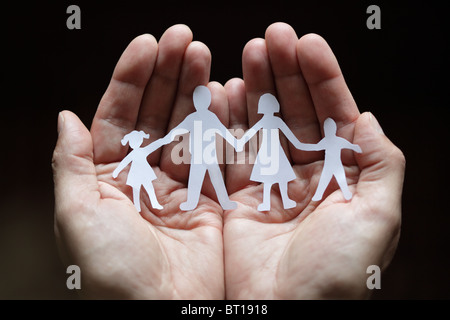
{"type": "Point", "coordinates": [399, 73]}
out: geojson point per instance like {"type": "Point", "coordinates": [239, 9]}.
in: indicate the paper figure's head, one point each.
{"type": "Point", "coordinates": [135, 138]}
{"type": "Point", "coordinates": [329, 127]}
{"type": "Point", "coordinates": [268, 104]}
{"type": "Point", "coordinates": [202, 98]}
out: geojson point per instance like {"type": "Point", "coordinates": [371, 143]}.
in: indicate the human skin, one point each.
{"type": "Point", "coordinates": [315, 250]}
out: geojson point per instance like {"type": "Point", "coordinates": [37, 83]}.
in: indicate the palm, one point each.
{"type": "Point", "coordinates": [274, 253]}
{"type": "Point", "coordinates": [180, 253]}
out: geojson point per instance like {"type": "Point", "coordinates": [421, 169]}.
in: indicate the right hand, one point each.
{"type": "Point", "coordinates": [158, 254]}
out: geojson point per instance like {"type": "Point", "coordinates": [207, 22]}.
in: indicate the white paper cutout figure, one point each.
{"type": "Point", "coordinates": [141, 173]}
{"type": "Point", "coordinates": [333, 166]}
{"type": "Point", "coordinates": [203, 151]}
{"type": "Point", "coordinates": [271, 165]}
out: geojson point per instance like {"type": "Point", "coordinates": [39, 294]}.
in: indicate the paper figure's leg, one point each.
{"type": "Point", "coordinates": [152, 195]}
{"type": "Point", "coordinates": [342, 182]}
{"type": "Point", "coordinates": [136, 198]}
{"type": "Point", "coordinates": [287, 202]}
{"type": "Point", "coordinates": [325, 179]}
{"type": "Point", "coordinates": [219, 186]}
{"type": "Point", "coordinates": [265, 205]}
{"type": "Point", "coordinates": [196, 176]}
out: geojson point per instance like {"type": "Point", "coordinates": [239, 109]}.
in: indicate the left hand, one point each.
{"type": "Point", "coordinates": [317, 249]}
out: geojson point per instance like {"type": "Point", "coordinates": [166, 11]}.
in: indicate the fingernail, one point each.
{"type": "Point", "coordinates": [60, 122]}
{"type": "Point", "coordinates": [375, 124]}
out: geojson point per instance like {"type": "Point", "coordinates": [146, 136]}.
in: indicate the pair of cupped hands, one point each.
{"type": "Point", "coordinates": [315, 250]}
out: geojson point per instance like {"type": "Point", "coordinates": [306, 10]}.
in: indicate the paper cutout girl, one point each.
{"type": "Point", "coordinates": [271, 164]}
{"type": "Point", "coordinates": [141, 173]}
{"type": "Point", "coordinates": [333, 166]}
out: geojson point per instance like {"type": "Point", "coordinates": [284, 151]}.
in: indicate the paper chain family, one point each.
{"type": "Point", "coordinates": [271, 165]}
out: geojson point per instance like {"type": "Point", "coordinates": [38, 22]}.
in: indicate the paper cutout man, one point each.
{"type": "Point", "coordinates": [271, 164]}
{"type": "Point", "coordinates": [203, 151]}
{"type": "Point", "coordinates": [333, 145]}
{"type": "Point", "coordinates": [141, 173]}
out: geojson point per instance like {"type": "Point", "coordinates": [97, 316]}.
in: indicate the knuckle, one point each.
{"type": "Point", "coordinates": [394, 158]}
{"type": "Point", "coordinates": [398, 157]}
{"type": "Point", "coordinates": [56, 156]}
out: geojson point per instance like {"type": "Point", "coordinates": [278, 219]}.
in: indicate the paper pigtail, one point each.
{"type": "Point", "coordinates": [133, 135]}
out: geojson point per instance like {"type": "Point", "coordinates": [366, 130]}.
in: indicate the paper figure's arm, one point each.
{"type": "Point", "coordinates": [248, 135]}
{"type": "Point", "coordinates": [347, 145]}
{"type": "Point", "coordinates": [183, 127]}
{"type": "Point", "coordinates": [293, 139]}
{"type": "Point", "coordinates": [126, 161]}
{"type": "Point", "coordinates": [355, 147]}
{"type": "Point", "coordinates": [153, 146]}
{"type": "Point", "coordinates": [226, 134]}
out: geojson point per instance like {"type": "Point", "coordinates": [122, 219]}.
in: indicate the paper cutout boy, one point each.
{"type": "Point", "coordinates": [271, 164]}
{"type": "Point", "coordinates": [141, 173]}
{"type": "Point", "coordinates": [203, 151]}
{"type": "Point", "coordinates": [333, 145]}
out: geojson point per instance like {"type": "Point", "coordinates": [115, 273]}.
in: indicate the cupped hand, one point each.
{"type": "Point", "coordinates": [317, 249]}
{"type": "Point", "coordinates": [158, 254]}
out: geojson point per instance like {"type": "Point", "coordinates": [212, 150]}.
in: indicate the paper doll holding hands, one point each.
{"type": "Point", "coordinates": [333, 145]}
{"type": "Point", "coordinates": [141, 173]}
{"type": "Point", "coordinates": [272, 165]}
{"type": "Point", "coordinates": [202, 161]}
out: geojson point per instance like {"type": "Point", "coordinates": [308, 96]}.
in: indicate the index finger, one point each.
{"type": "Point", "coordinates": [327, 86]}
{"type": "Point", "coordinates": [118, 110]}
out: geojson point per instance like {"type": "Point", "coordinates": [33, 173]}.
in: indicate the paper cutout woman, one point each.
{"type": "Point", "coordinates": [333, 166]}
{"type": "Point", "coordinates": [141, 173]}
{"type": "Point", "coordinates": [271, 164]}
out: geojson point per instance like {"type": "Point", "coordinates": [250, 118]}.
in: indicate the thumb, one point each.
{"type": "Point", "coordinates": [73, 167]}
{"type": "Point", "coordinates": [381, 161]}
{"type": "Point", "coordinates": [382, 167]}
